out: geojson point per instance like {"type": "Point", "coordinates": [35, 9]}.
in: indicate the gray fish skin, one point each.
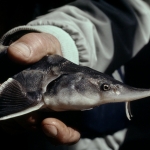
{"type": "Point", "coordinates": [60, 85]}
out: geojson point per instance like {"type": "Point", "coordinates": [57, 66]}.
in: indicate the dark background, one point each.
{"type": "Point", "coordinates": [15, 13]}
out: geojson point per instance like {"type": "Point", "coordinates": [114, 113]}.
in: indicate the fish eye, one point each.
{"type": "Point", "coordinates": [105, 87]}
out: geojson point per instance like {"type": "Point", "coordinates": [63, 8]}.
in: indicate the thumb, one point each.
{"type": "Point", "coordinates": [58, 132]}
{"type": "Point", "coordinates": [31, 47]}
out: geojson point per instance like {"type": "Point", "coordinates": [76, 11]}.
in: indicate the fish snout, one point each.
{"type": "Point", "coordinates": [116, 88]}
{"type": "Point", "coordinates": [122, 93]}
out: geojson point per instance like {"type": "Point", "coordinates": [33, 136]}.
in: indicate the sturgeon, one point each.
{"type": "Point", "coordinates": [60, 85]}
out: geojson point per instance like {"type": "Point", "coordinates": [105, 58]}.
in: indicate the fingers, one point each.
{"type": "Point", "coordinates": [31, 47]}
{"type": "Point", "coordinates": [58, 132]}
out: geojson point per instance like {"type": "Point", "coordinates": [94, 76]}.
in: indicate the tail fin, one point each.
{"type": "Point", "coordinates": [14, 100]}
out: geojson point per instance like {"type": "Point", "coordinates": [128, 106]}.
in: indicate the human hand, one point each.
{"type": "Point", "coordinates": [28, 49]}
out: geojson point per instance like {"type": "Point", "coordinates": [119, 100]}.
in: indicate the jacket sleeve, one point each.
{"type": "Point", "coordinates": [98, 34]}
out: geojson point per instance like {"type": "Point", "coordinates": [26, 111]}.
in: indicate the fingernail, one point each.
{"type": "Point", "coordinates": [50, 131]}
{"type": "Point", "coordinates": [22, 48]}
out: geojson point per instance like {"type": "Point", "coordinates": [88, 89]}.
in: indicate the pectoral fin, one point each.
{"type": "Point", "coordinates": [14, 100]}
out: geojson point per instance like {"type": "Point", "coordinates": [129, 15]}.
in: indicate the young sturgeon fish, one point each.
{"type": "Point", "coordinates": [61, 85]}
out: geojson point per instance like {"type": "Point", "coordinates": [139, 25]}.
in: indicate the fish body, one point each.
{"type": "Point", "coordinates": [60, 85]}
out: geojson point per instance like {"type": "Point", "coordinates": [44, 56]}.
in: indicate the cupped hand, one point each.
{"type": "Point", "coordinates": [29, 49]}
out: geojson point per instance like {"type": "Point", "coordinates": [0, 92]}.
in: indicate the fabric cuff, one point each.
{"type": "Point", "coordinates": [68, 46]}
